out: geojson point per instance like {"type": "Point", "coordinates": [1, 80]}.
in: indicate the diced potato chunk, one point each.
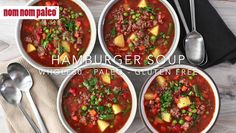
{"type": "Point", "coordinates": [66, 46]}
{"type": "Point", "coordinates": [116, 108]}
{"type": "Point", "coordinates": [149, 96]}
{"type": "Point", "coordinates": [156, 52]}
{"type": "Point", "coordinates": [119, 41]}
{"type": "Point", "coordinates": [184, 102]}
{"type": "Point", "coordinates": [30, 48]}
{"type": "Point", "coordinates": [64, 57]}
{"type": "Point", "coordinates": [155, 30]}
{"type": "Point", "coordinates": [106, 78]}
{"type": "Point", "coordinates": [142, 4]}
{"type": "Point", "coordinates": [103, 125]}
{"type": "Point", "coordinates": [132, 37]}
{"type": "Point", "coordinates": [166, 116]}
{"type": "Point", "coordinates": [161, 81]}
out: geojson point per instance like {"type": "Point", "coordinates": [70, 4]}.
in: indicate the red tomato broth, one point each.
{"type": "Point", "coordinates": [197, 121]}
{"type": "Point", "coordinates": [34, 31]}
{"type": "Point", "coordinates": [144, 47]}
{"type": "Point", "coordinates": [77, 95]}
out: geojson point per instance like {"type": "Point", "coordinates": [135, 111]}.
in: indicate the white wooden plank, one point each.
{"type": "Point", "coordinates": [227, 10]}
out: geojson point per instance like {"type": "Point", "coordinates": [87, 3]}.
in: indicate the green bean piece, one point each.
{"type": "Point", "coordinates": [181, 121]}
{"type": "Point", "coordinates": [170, 29]}
{"type": "Point", "coordinates": [107, 116]}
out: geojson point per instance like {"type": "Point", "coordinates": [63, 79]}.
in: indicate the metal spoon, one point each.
{"type": "Point", "coordinates": [24, 82]}
{"type": "Point", "coordinates": [194, 42]}
{"type": "Point", "coordinates": [13, 96]}
{"type": "Point", "coordinates": [181, 16]}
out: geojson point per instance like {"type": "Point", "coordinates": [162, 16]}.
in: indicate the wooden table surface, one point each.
{"type": "Point", "coordinates": [223, 74]}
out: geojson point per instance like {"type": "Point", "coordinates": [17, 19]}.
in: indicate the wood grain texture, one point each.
{"type": "Point", "coordinates": [223, 74]}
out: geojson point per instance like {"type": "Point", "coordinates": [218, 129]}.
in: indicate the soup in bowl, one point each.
{"type": "Point", "coordinates": [97, 98]}
{"type": "Point", "coordinates": [139, 34]}
{"type": "Point", "coordinates": [179, 99]}
{"type": "Point", "coordinates": [58, 43]}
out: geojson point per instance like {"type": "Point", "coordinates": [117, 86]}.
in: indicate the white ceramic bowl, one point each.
{"type": "Point", "coordinates": [97, 65]}
{"type": "Point", "coordinates": [133, 68]}
{"type": "Point", "coordinates": [62, 69]}
{"type": "Point", "coordinates": [202, 73]}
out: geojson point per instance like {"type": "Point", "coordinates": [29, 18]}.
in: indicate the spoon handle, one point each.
{"type": "Point", "coordinates": [34, 126]}
{"type": "Point", "coordinates": [193, 18]}
{"type": "Point", "coordinates": [181, 16]}
{"type": "Point", "coordinates": [36, 113]}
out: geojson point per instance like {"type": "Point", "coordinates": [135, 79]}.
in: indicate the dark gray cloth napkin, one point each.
{"type": "Point", "coordinates": [220, 42]}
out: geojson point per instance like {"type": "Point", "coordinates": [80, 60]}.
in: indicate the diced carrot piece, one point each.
{"type": "Point", "coordinates": [184, 88]}
{"type": "Point", "coordinates": [155, 95]}
{"type": "Point", "coordinates": [176, 78]}
{"type": "Point", "coordinates": [44, 36]}
{"type": "Point", "coordinates": [190, 84]}
{"type": "Point", "coordinates": [48, 3]}
{"type": "Point", "coordinates": [54, 3]}
{"type": "Point", "coordinates": [75, 118]}
{"type": "Point", "coordinates": [92, 112]}
{"type": "Point", "coordinates": [188, 118]}
{"type": "Point", "coordinates": [176, 100]}
{"type": "Point", "coordinates": [125, 85]}
{"type": "Point", "coordinates": [76, 34]}
{"type": "Point", "coordinates": [141, 48]}
{"type": "Point", "coordinates": [78, 23]}
{"type": "Point", "coordinates": [55, 51]}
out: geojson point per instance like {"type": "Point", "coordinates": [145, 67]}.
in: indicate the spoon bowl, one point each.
{"type": "Point", "coordinates": [8, 90]}
{"type": "Point", "coordinates": [195, 48]}
{"type": "Point", "coordinates": [21, 76]}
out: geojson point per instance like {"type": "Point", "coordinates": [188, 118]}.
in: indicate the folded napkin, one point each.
{"type": "Point", "coordinates": [44, 93]}
{"type": "Point", "coordinates": [220, 42]}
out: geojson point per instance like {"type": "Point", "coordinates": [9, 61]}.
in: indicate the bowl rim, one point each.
{"type": "Point", "coordinates": [200, 71]}
{"type": "Point", "coordinates": [171, 51]}
{"type": "Point", "coordinates": [98, 65]}
{"type": "Point", "coordinates": [57, 70]}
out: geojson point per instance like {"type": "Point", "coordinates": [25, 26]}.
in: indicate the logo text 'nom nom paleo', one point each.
{"type": "Point", "coordinates": [29, 12]}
